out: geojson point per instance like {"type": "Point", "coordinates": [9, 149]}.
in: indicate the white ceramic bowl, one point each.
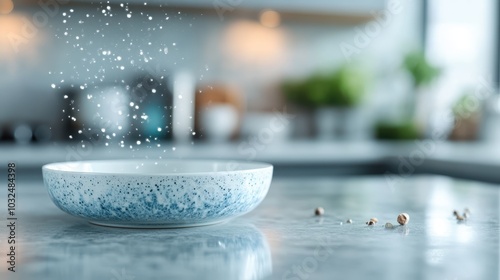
{"type": "Point", "coordinates": [157, 194]}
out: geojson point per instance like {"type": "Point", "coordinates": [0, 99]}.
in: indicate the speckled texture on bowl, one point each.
{"type": "Point", "coordinates": [157, 194]}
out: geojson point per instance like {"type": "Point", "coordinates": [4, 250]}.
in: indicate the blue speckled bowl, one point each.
{"type": "Point", "coordinates": [157, 194]}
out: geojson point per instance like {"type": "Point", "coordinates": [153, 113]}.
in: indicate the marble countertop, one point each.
{"type": "Point", "coordinates": [281, 239]}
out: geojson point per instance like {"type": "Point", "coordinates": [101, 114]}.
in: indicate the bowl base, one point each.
{"type": "Point", "coordinates": [156, 226]}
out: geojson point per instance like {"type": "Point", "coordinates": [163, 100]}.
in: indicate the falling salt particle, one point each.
{"type": "Point", "coordinates": [83, 145]}
{"type": "Point", "coordinates": [144, 117]}
{"type": "Point", "coordinates": [99, 105]}
{"type": "Point", "coordinates": [103, 11]}
{"type": "Point", "coordinates": [173, 44]}
{"type": "Point", "coordinates": [106, 144]}
{"type": "Point", "coordinates": [180, 96]}
{"type": "Point", "coordinates": [150, 17]}
{"type": "Point", "coordinates": [70, 137]}
{"type": "Point", "coordinates": [153, 90]}
{"type": "Point", "coordinates": [65, 97]}
{"type": "Point", "coordinates": [158, 145]}
{"type": "Point", "coordinates": [119, 58]}
{"type": "Point", "coordinates": [136, 107]}
{"type": "Point", "coordinates": [122, 67]}
{"type": "Point", "coordinates": [53, 86]}
{"type": "Point", "coordinates": [64, 14]}
{"type": "Point", "coordinates": [165, 50]}
{"type": "Point", "coordinates": [194, 133]}
{"type": "Point", "coordinates": [73, 119]}
{"type": "Point", "coordinates": [159, 129]}
{"type": "Point", "coordinates": [77, 37]}
{"type": "Point", "coordinates": [120, 127]}
{"type": "Point", "coordinates": [138, 142]}
{"type": "Point", "coordinates": [103, 129]}
{"type": "Point", "coordinates": [129, 15]}
{"type": "Point", "coordinates": [82, 87]}
{"type": "Point", "coordinates": [109, 8]}
{"type": "Point", "coordinates": [65, 33]}
{"type": "Point", "coordinates": [104, 52]}
{"type": "Point", "coordinates": [89, 96]}
{"type": "Point", "coordinates": [173, 148]}
{"type": "Point", "coordinates": [71, 10]}
{"type": "Point", "coordinates": [131, 104]}
{"type": "Point", "coordinates": [80, 132]}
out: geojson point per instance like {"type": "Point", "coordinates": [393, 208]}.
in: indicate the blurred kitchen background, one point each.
{"type": "Point", "coordinates": [297, 83]}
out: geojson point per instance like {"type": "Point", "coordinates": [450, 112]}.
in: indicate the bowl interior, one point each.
{"type": "Point", "coordinates": [151, 167]}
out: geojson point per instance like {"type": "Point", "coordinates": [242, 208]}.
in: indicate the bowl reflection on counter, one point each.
{"type": "Point", "coordinates": [227, 251]}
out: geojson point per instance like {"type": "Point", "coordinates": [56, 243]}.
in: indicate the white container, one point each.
{"type": "Point", "coordinates": [183, 110]}
{"type": "Point", "coordinates": [219, 122]}
{"type": "Point", "coordinates": [278, 126]}
{"type": "Point", "coordinates": [340, 123]}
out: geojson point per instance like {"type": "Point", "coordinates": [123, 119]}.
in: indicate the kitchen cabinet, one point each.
{"type": "Point", "coordinates": [314, 6]}
{"type": "Point", "coordinates": [315, 9]}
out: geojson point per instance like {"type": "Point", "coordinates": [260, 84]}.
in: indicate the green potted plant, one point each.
{"type": "Point", "coordinates": [467, 115]}
{"type": "Point", "coordinates": [423, 74]}
{"type": "Point", "coordinates": [333, 98]}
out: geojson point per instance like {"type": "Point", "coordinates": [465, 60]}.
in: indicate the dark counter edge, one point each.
{"type": "Point", "coordinates": [390, 165]}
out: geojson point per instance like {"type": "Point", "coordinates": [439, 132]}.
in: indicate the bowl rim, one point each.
{"type": "Point", "coordinates": [254, 166]}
